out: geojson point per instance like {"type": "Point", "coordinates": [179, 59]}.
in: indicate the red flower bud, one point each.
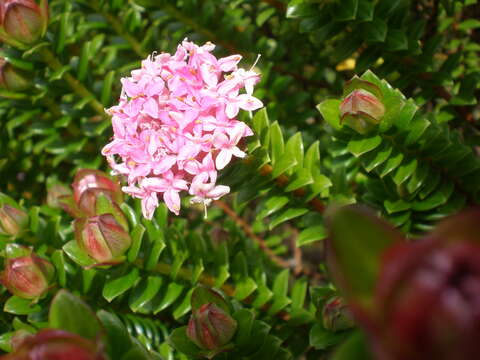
{"type": "Point", "coordinates": [28, 277]}
{"type": "Point", "coordinates": [23, 21]}
{"type": "Point", "coordinates": [102, 237]}
{"type": "Point", "coordinates": [336, 315]}
{"type": "Point", "coordinates": [361, 110]}
{"type": "Point", "coordinates": [430, 297]}
{"type": "Point", "coordinates": [13, 79]}
{"type": "Point", "coordinates": [210, 327]}
{"type": "Point", "coordinates": [56, 344]}
{"type": "Point", "coordinates": [416, 300]}
{"type": "Point", "coordinates": [55, 193]}
{"type": "Point", "coordinates": [12, 220]}
{"type": "Point", "coordinates": [89, 185]}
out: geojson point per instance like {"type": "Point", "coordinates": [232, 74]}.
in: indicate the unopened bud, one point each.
{"type": "Point", "coordinates": [55, 193]}
{"type": "Point", "coordinates": [102, 237]}
{"type": "Point", "coordinates": [28, 277]}
{"type": "Point", "coordinates": [56, 344]}
{"type": "Point", "coordinates": [89, 185]}
{"type": "Point", "coordinates": [210, 327]}
{"type": "Point", "coordinates": [23, 21]}
{"type": "Point", "coordinates": [336, 315]}
{"type": "Point", "coordinates": [13, 79]}
{"type": "Point", "coordinates": [362, 108]}
{"type": "Point", "coordinates": [12, 220]}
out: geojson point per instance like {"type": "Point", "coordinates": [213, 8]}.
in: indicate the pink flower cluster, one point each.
{"type": "Point", "coordinates": [175, 125]}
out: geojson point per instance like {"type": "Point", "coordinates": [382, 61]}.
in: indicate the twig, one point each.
{"type": "Point", "coordinates": [297, 253]}
{"type": "Point", "coordinates": [248, 230]}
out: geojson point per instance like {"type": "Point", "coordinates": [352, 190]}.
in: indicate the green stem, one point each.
{"type": "Point", "coordinates": [79, 89]}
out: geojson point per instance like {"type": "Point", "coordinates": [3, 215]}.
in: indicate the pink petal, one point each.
{"type": "Point", "coordinates": [218, 191]}
{"type": "Point", "coordinates": [132, 89]}
{"type": "Point", "coordinates": [231, 109]}
{"type": "Point", "coordinates": [223, 158]}
{"type": "Point", "coordinates": [229, 63]}
{"type": "Point", "coordinates": [172, 200]}
{"type": "Point", "coordinates": [155, 87]}
{"type": "Point", "coordinates": [236, 133]}
{"type": "Point", "coordinates": [237, 152]}
{"type": "Point", "coordinates": [209, 74]}
{"type": "Point", "coordinates": [220, 141]}
{"type": "Point", "coordinates": [249, 102]}
{"type": "Point", "coordinates": [164, 164]}
{"type": "Point", "coordinates": [155, 184]}
{"type": "Point", "coordinates": [150, 107]}
{"type": "Point", "coordinates": [149, 204]}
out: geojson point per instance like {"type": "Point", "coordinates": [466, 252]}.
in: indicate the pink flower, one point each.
{"type": "Point", "coordinates": [175, 125]}
{"type": "Point", "coordinates": [228, 145]}
{"type": "Point", "coordinates": [206, 192]}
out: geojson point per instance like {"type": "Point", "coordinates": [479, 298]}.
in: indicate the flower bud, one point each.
{"type": "Point", "coordinates": [336, 315]}
{"type": "Point", "coordinates": [12, 220]}
{"type": "Point", "coordinates": [55, 193]}
{"type": "Point", "coordinates": [28, 277]}
{"type": "Point", "coordinates": [56, 344]}
{"type": "Point", "coordinates": [210, 327]}
{"type": "Point", "coordinates": [89, 184]}
{"type": "Point", "coordinates": [362, 109]}
{"type": "Point", "coordinates": [23, 21]}
{"type": "Point", "coordinates": [13, 79]}
{"type": "Point", "coordinates": [430, 297]}
{"type": "Point", "coordinates": [102, 237]}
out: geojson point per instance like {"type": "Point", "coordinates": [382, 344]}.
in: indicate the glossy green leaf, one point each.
{"type": "Point", "coordinates": [116, 286]}
{"type": "Point", "coordinates": [68, 312]}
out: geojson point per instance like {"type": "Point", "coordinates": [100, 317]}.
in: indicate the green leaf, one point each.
{"type": "Point", "coordinates": [321, 339]}
{"type": "Point", "coordinates": [77, 255]}
{"type": "Point", "coordinates": [311, 234]}
{"type": "Point", "coordinates": [345, 10]}
{"type": "Point", "coordinates": [117, 335]}
{"type": "Point", "coordinates": [376, 31]}
{"type": "Point", "coordinates": [202, 295]}
{"type": "Point", "coordinates": [277, 145]}
{"type": "Point", "coordinates": [116, 286]}
{"type": "Point", "coordinates": [300, 179]}
{"type": "Point", "coordinates": [438, 198]}
{"type": "Point", "coordinates": [287, 162]}
{"type": "Point", "coordinates": [19, 306]}
{"type": "Point", "coordinates": [272, 205]}
{"type": "Point", "coordinates": [68, 312]}
{"type": "Point", "coordinates": [330, 110]}
{"type": "Point", "coordinates": [299, 293]}
{"type": "Point", "coordinates": [364, 145]}
{"type": "Point", "coordinates": [244, 318]}
{"type": "Point", "coordinates": [174, 290]}
{"type": "Point", "coordinates": [59, 261]}
{"type": "Point", "coordinates": [137, 235]}
{"type": "Point", "coordinates": [404, 172]}
{"type": "Point", "coordinates": [300, 8]}
{"type": "Point", "coordinates": [179, 340]}
{"type": "Point", "coordinates": [288, 214]}
{"type": "Point", "coordinates": [144, 292]}
{"type": "Point", "coordinates": [295, 146]}
{"type": "Point", "coordinates": [392, 163]}
{"type": "Point", "coordinates": [264, 16]}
